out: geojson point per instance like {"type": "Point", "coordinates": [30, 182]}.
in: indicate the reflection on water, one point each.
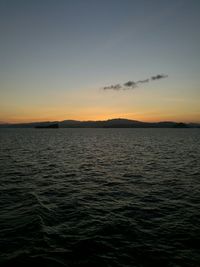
{"type": "Point", "coordinates": [100, 197]}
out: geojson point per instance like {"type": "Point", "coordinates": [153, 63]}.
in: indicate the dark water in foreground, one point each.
{"type": "Point", "coordinates": [100, 197]}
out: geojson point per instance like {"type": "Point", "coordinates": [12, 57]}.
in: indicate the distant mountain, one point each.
{"type": "Point", "coordinates": [52, 126]}
{"type": "Point", "coordinates": [112, 123]}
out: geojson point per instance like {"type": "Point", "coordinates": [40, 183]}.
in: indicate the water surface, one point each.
{"type": "Point", "coordinates": [100, 197]}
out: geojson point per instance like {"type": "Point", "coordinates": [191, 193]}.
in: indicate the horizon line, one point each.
{"type": "Point", "coordinates": [117, 118]}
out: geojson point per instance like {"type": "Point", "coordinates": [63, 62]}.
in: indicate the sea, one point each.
{"type": "Point", "coordinates": [100, 197]}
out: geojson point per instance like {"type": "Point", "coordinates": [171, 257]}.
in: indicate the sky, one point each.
{"type": "Point", "coordinates": [61, 59]}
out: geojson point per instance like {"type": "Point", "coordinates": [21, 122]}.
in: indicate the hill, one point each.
{"type": "Point", "coordinates": [112, 123]}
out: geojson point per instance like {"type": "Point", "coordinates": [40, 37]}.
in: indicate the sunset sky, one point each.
{"type": "Point", "coordinates": [56, 57]}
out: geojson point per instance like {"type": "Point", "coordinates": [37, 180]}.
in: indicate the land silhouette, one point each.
{"type": "Point", "coordinates": [111, 123]}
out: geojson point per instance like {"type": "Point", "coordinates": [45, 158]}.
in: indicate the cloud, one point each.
{"type": "Point", "coordinates": [132, 84]}
{"type": "Point", "coordinates": [158, 77]}
{"type": "Point", "coordinates": [113, 87]}
{"type": "Point", "coordinates": [143, 81]}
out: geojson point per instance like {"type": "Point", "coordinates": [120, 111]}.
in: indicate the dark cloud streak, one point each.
{"type": "Point", "coordinates": [132, 84]}
{"type": "Point", "coordinates": [113, 87]}
{"type": "Point", "coordinates": [143, 81]}
{"type": "Point", "coordinates": [158, 77]}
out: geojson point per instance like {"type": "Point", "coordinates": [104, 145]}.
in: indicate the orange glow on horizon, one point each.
{"type": "Point", "coordinates": [138, 117]}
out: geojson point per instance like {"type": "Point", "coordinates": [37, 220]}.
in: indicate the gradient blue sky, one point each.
{"type": "Point", "coordinates": [56, 55]}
